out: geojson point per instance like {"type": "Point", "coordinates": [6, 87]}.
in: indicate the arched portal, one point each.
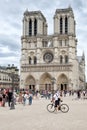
{"type": "Point", "coordinates": [30, 83]}
{"type": "Point", "coordinates": [62, 82]}
{"type": "Point", "coordinates": [45, 82]}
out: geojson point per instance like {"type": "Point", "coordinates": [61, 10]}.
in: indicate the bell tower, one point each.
{"type": "Point", "coordinates": [64, 22]}
{"type": "Point", "coordinates": [34, 23]}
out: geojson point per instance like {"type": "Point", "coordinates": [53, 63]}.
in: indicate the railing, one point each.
{"type": "Point", "coordinates": [44, 68]}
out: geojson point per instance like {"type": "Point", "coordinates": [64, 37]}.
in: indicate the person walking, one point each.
{"type": "Point", "coordinates": [25, 96]}
{"type": "Point", "coordinates": [4, 98]}
{"type": "Point", "coordinates": [30, 98]}
{"type": "Point", "coordinates": [0, 99]}
{"type": "Point", "coordinates": [9, 97]}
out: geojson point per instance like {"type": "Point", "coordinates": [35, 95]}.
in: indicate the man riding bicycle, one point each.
{"type": "Point", "coordinates": [56, 105]}
{"type": "Point", "coordinates": [56, 99]}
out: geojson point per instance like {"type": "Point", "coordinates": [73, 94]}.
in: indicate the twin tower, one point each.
{"type": "Point", "coordinates": [50, 62]}
{"type": "Point", "coordinates": [34, 23]}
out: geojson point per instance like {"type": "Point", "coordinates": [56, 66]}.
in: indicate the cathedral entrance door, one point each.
{"type": "Point", "coordinates": [32, 88]}
{"type": "Point", "coordinates": [48, 87]}
{"type": "Point", "coordinates": [65, 86]}
{"type": "Point", "coordinates": [61, 87]}
{"type": "Point", "coordinates": [63, 82]}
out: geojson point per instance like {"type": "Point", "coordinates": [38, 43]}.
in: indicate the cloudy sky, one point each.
{"type": "Point", "coordinates": [11, 14]}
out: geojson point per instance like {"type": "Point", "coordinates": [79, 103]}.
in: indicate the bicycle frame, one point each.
{"type": "Point", "coordinates": [62, 107]}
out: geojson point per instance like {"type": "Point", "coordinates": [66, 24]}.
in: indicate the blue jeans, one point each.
{"type": "Point", "coordinates": [30, 100]}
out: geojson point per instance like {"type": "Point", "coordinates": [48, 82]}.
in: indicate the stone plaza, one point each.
{"type": "Point", "coordinates": [36, 116]}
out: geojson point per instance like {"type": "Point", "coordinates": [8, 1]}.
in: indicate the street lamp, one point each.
{"type": "Point", "coordinates": [14, 77]}
{"type": "Point", "coordinates": [53, 80]}
{"type": "Point", "coordinates": [12, 102]}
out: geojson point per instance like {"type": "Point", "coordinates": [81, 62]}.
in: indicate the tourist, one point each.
{"type": "Point", "coordinates": [30, 98]}
{"type": "Point", "coordinates": [56, 99]}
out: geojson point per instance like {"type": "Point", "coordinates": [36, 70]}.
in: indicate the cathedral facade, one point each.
{"type": "Point", "coordinates": [50, 62]}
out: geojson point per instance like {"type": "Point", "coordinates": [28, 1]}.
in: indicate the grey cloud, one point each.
{"type": "Point", "coordinates": [8, 41]}
{"type": "Point", "coordinates": [78, 4]}
{"type": "Point", "coordinates": [10, 54]}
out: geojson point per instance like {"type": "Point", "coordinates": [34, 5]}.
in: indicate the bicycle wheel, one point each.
{"type": "Point", "coordinates": [51, 108]}
{"type": "Point", "coordinates": [64, 108]}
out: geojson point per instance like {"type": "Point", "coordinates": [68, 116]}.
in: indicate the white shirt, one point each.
{"type": "Point", "coordinates": [56, 96]}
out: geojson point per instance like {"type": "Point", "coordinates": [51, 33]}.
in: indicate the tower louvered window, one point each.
{"type": "Point", "coordinates": [61, 59]}
{"type": "Point", "coordinates": [66, 59]}
{"type": "Point", "coordinates": [61, 25]}
{"type": "Point", "coordinates": [30, 27]}
{"type": "Point", "coordinates": [35, 27]}
{"type": "Point", "coordinates": [66, 25]}
{"type": "Point", "coordinates": [30, 60]}
{"type": "Point", "coordinates": [35, 60]}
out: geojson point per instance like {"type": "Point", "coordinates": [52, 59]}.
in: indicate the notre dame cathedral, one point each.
{"type": "Point", "coordinates": [50, 62]}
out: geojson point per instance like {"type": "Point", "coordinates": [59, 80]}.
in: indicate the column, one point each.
{"type": "Point", "coordinates": [55, 24]}
{"type": "Point", "coordinates": [71, 25]}
{"type": "Point", "coordinates": [55, 87]}
{"type": "Point", "coordinates": [58, 25]}
{"type": "Point", "coordinates": [24, 26]}
{"type": "Point", "coordinates": [27, 27]}
{"type": "Point", "coordinates": [39, 27]}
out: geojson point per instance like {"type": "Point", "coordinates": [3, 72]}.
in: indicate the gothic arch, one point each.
{"type": "Point", "coordinates": [62, 82]}
{"type": "Point", "coordinates": [47, 50]}
{"type": "Point", "coordinates": [45, 78]}
{"type": "Point", "coordinates": [30, 82]}
{"type": "Point", "coordinates": [45, 82]}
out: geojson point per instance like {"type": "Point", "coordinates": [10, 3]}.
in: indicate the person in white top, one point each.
{"type": "Point", "coordinates": [25, 96]}
{"type": "Point", "coordinates": [56, 99]}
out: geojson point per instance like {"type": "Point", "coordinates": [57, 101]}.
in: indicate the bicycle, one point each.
{"type": "Point", "coordinates": [62, 107]}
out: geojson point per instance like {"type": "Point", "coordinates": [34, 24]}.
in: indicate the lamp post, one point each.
{"type": "Point", "coordinates": [53, 82]}
{"type": "Point", "coordinates": [12, 102]}
{"type": "Point", "coordinates": [14, 77]}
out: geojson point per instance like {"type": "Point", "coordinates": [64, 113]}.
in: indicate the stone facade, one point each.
{"type": "Point", "coordinates": [50, 62]}
{"type": "Point", "coordinates": [6, 76]}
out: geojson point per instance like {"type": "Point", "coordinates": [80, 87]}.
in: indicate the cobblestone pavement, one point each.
{"type": "Point", "coordinates": [36, 117]}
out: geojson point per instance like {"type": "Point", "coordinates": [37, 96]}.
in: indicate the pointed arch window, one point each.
{"type": "Point", "coordinates": [65, 42]}
{"type": "Point", "coordinates": [61, 59]}
{"type": "Point", "coordinates": [30, 60]}
{"type": "Point", "coordinates": [35, 60]}
{"type": "Point", "coordinates": [45, 86]}
{"type": "Point", "coordinates": [43, 28]}
{"type": "Point", "coordinates": [66, 59]}
{"type": "Point", "coordinates": [61, 25]}
{"type": "Point", "coordinates": [30, 27]}
{"type": "Point", "coordinates": [35, 27]}
{"type": "Point", "coordinates": [66, 25]}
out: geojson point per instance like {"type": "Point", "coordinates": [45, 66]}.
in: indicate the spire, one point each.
{"type": "Point", "coordinates": [70, 7]}
{"type": "Point", "coordinates": [26, 12]}
{"type": "Point", "coordinates": [83, 56]}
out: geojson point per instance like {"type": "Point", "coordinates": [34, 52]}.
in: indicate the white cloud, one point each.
{"type": "Point", "coordinates": [4, 49]}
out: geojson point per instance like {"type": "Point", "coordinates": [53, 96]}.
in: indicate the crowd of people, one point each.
{"type": "Point", "coordinates": [9, 96]}
{"type": "Point", "coordinates": [26, 97]}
